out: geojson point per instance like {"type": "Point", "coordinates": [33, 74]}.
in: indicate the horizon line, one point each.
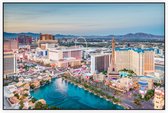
{"type": "Point", "coordinates": [85, 35]}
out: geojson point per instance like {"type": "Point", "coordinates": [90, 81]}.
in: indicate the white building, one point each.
{"type": "Point", "coordinates": [159, 98]}
{"type": "Point", "coordinates": [61, 53]}
{"type": "Point", "coordinates": [65, 57]}
{"type": "Point", "coordinates": [100, 62]}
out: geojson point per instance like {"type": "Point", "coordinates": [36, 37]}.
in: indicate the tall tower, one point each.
{"type": "Point", "coordinates": [112, 62]}
{"type": "Point", "coordinates": [113, 55]}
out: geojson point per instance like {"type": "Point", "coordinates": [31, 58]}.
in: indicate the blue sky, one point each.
{"type": "Point", "coordinates": [84, 19]}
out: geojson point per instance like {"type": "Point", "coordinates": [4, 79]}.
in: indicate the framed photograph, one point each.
{"type": "Point", "coordinates": [83, 56]}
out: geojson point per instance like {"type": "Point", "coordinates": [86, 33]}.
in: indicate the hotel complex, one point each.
{"type": "Point", "coordinates": [46, 38]}
{"type": "Point", "coordinates": [9, 66]}
{"type": "Point", "coordinates": [65, 57]}
{"type": "Point", "coordinates": [109, 70]}
{"type": "Point", "coordinates": [24, 39]}
{"type": "Point", "coordinates": [11, 44]}
{"type": "Point", "coordinates": [100, 62]}
{"type": "Point", "coordinates": [141, 61]}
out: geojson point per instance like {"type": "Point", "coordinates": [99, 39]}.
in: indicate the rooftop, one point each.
{"type": "Point", "coordinates": [138, 50]}
{"type": "Point", "coordinates": [65, 49]}
{"type": "Point", "coordinates": [100, 54]}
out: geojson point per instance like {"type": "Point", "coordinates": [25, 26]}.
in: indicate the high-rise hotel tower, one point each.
{"type": "Point", "coordinates": [141, 61]}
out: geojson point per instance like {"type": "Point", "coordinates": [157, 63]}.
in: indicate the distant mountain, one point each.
{"type": "Point", "coordinates": [129, 36]}
{"type": "Point", "coordinates": [65, 36]}
{"type": "Point", "coordinates": [138, 36]}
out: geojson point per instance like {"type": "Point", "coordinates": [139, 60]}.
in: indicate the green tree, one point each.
{"type": "Point", "coordinates": [42, 82]}
{"type": "Point", "coordinates": [33, 100]}
{"type": "Point", "coordinates": [25, 95]}
{"type": "Point", "coordinates": [39, 105]}
{"type": "Point", "coordinates": [116, 100]}
{"type": "Point", "coordinates": [32, 86]}
{"type": "Point", "coordinates": [21, 104]}
{"type": "Point", "coordinates": [17, 95]}
{"type": "Point", "coordinates": [104, 72]}
{"type": "Point", "coordinates": [149, 95]}
{"type": "Point", "coordinates": [157, 84]}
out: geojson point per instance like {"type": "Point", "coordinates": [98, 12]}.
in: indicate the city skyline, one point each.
{"type": "Point", "coordinates": [85, 19]}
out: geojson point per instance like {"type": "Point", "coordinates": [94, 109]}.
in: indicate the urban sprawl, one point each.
{"type": "Point", "coordinates": [128, 74]}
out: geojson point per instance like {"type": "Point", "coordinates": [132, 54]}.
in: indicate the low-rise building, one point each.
{"type": "Point", "coordinates": [13, 101]}
{"type": "Point", "coordinates": [159, 98]}
{"type": "Point", "coordinates": [124, 83]}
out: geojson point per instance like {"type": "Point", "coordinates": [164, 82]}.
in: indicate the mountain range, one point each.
{"type": "Point", "coordinates": [129, 36]}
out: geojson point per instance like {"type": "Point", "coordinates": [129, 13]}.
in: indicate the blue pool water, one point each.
{"type": "Point", "coordinates": [69, 96]}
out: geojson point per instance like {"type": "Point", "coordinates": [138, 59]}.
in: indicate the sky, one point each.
{"type": "Point", "coordinates": [84, 19]}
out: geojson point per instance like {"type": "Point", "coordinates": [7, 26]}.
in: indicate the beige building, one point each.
{"type": "Point", "coordinates": [11, 45]}
{"type": "Point", "coordinates": [65, 57]}
{"type": "Point", "coordinates": [61, 53]}
{"type": "Point", "coordinates": [141, 61]}
{"type": "Point", "coordinates": [46, 38]}
{"type": "Point", "coordinates": [159, 98]}
{"type": "Point", "coordinates": [68, 63]}
{"type": "Point", "coordinates": [123, 83]}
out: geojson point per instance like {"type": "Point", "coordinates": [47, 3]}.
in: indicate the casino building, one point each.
{"type": "Point", "coordinates": [46, 39]}
{"type": "Point", "coordinates": [65, 57]}
{"type": "Point", "coordinates": [100, 62]}
{"type": "Point", "coordinates": [11, 44]}
{"type": "Point", "coordinates": [141, 61]}
{"type": "Point", "coordinates": [9, 63]}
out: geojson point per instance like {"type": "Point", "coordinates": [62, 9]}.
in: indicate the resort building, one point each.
{"type": "Point", "coordinates": [46, 38]}
{"type": "Point", "coordinates": [158, 52]}
{"type": "Point", "coordinates": [9, 63]}
{"type": "Point", "coordinates": [100, 62]}
{"type": "Point", "coordinates": [49, 45]}
{"type": "Point", "coordinates": [145, 84]}
{"type": "Point", "coordinates": [10, 44]}
{"type": "Point", "coordinates": [159, 98]}
{"type": "Point", "coordinates": [61, 53]}
{"type": "Point", "coordinates": [141, 61]}
{"type": "Point", "coordinates": [65, 57]}
{"type": "Point", "coordinates": [122, 84]}
{"type": "Point", "coordinates": [40, 52]}
{"type": "Point", "coordinates": [24, 39]}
